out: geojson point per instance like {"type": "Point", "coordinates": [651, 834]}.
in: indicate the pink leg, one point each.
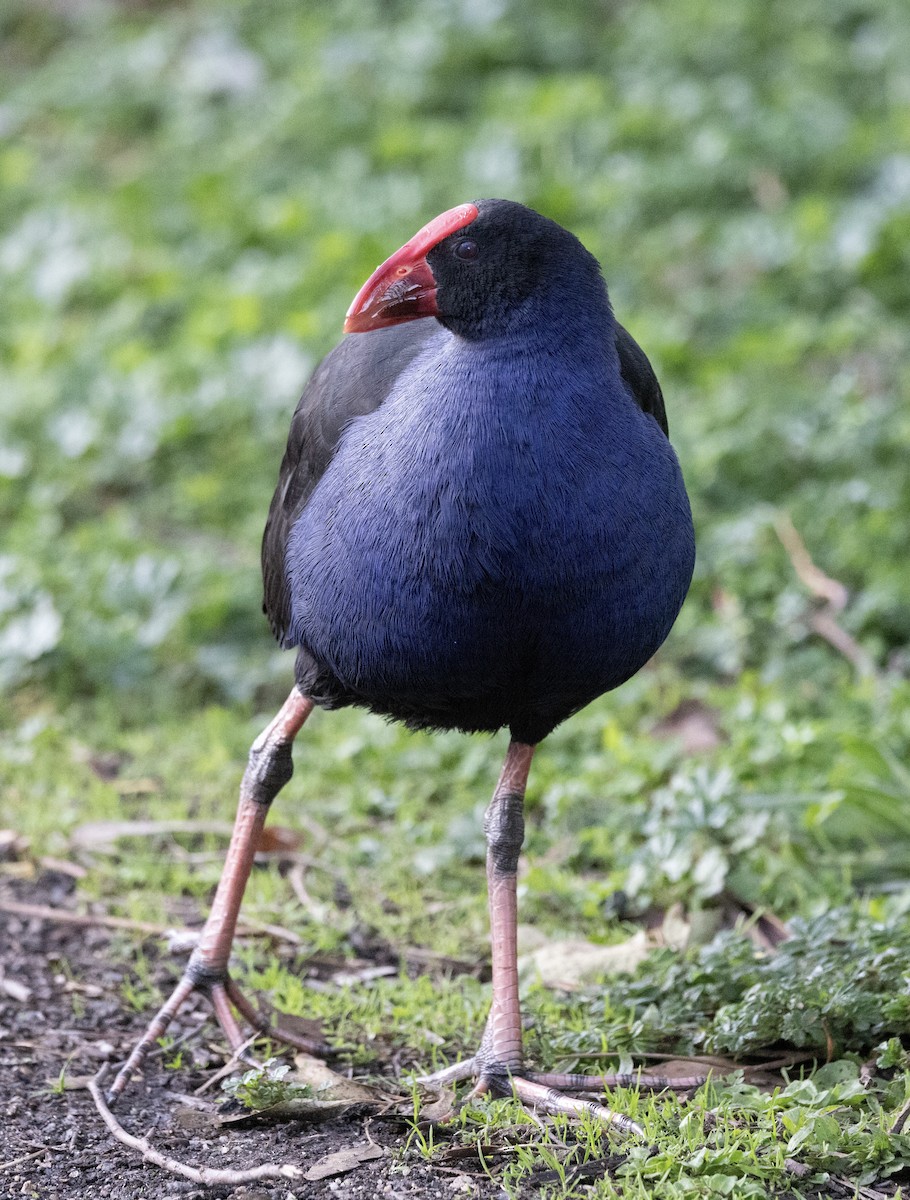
{"type": "Point", "coordinates": [497, 1067]}
{"type": "Point", "coordinates": [501, 1049]}
{"type": "Point", "coordinates": [268, 770]}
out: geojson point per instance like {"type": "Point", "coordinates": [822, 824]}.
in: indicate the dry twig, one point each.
{"type": "Point", "coordinates": [23, 1158]}
{"type": "Point", "coordinates": [209, 1176]}
{"type": "Point", "coordinates": [831, 592]}
{"type": "Point", "coordinates": [229, 1067]}
{"type": "Point", "coordinates": [318, 913]}
{"type": "Point", "coordinates": [43, 912]}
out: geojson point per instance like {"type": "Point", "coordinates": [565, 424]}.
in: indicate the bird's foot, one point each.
{"type": "Point", "coordinates": [546, 1092]}
{"type": "Point", "coordinates": [226, 999]}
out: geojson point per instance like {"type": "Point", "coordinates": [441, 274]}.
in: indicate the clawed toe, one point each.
{"type": "Point", "coordinates": [453, 1074]}
{"type": "Point", "coordinates": [226, 999]}
{"type": "Point", "coordinates": [539, 1093]}
{"type": "Point", "coordinates": [272, 1029]}
{"type": "Point", "coordinates": [540, 1098]}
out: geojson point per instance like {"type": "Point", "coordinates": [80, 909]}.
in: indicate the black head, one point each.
{"type": "Point", "coordinates": [509, 268]}
{"type": "Point", "coordinates": [484, 270]}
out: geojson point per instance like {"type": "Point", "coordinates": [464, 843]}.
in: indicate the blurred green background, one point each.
{"type": "Point", "coordinates": [190, 195]}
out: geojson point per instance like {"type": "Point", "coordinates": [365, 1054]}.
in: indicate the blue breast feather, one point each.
{"type": "Point", "coordinates": [508, 533]}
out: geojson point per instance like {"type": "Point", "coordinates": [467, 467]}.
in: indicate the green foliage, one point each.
{"type": "Point", "coordinates": [264, 1086]}
{"type": "Point", "coordinates": [838, 984]}
{"type": "Point", "coordinates": [736, 1142]}
{"type": "Point", "coordinates": [189, 197]}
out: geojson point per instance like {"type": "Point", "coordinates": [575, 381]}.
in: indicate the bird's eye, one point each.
{"type": "Point", "coordinates": [467, 250]}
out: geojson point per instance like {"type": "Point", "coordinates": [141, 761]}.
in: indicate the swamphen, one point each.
{"type": "Point", "coordinates": [479, 523]}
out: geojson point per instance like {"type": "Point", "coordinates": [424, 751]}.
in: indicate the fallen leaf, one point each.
{"type": "Point", "coordinates": [462, 1183]}
{"type": "Point", "coordinates": [136, 787]}
{"type": "Point", "coordinates": [570, 964]}
{"type": "Point", "coordinates": [328, 1084]}
{"type": "Point", "coordinates": [695, 724]}
{"type": "Point", "coordinates": [684, 1068]}
{"type": "Point", "coordinates": [107, 765]}
{"type": "Point", "coordinates": [705, 923]}
{"type": "Point", "coordinates": [306, 1027]}
{"type": "Point", "coordinates": [420, 956]}
{"type": "Point", "coordinates": [301, 1108]}
{"type": "Point", "coordinates": [439, 1107]}
{"type": "Point", "coordinates": [18, 870]}
{"type": "Point", "coordinates": [277, 838]}
{"type": "Point", "coordinates": [179, 941]}
{"type": "Point", "coordinates": [343, 1161]}
{"type": "Point", "coordinates": [195, 1121]}
{"type": "Point", "coordinates": [474, 1150]}
{"type": "Point", "coordinates": [675, 929]}
{"type": "Point", "coordinates": [772, 930]}
{"type": "Point", "coordinates": [74, 985]}
{"type": "Point", "coordinates": [530, 938]}
{"type": "Point", "coordinates": [331, 1095]}
{"type": "Point", "coordinates": [763, 927]}
{"type": "Point", "coordinates": [71, 1083]}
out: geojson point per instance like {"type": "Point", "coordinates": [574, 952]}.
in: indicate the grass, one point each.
{"type": "Point", "coordinates": [189, 197]}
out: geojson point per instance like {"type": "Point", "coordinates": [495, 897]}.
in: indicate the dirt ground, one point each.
{"type": "Point", "coordinates": [62, 1006]}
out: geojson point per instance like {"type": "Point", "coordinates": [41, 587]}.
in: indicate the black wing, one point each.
{"type": "Point", "coordinates": [352, 380]}
{"type": "Point", "coordinates": [640, 378]}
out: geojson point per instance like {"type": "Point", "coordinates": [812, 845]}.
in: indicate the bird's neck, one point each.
{"type": "Point", "coordinates": [545, 365]}
{"type": "Point", "coordinates": [572, 316]}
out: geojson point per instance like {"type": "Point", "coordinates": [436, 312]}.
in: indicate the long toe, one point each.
{"type": "Point", "coordinates": [539, 1098]}
{"type": "Point", "coordinates": [538, 1092]}
{"type": "Point", "coordinates": [227, 999]}
{"type": "Point", "coordinates": [274, 1029]}
{"type": "Point", "coordinates": [635, 1079]}
{"type": "Point", "coordinates": [456, 1073]}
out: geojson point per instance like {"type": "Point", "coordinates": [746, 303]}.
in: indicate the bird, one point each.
{"type": "Point", "coordinates": [479, 524]}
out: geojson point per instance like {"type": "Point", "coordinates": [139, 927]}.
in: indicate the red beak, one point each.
{"type": "Point", "coordinates": [404, 288]}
